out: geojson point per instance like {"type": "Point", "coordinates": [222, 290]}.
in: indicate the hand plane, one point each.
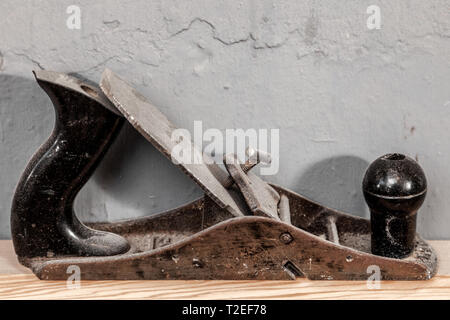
{"type": "Point", "coordinates": [242, 228]}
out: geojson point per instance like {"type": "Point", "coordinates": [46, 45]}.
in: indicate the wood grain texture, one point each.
{"type": "Point", "coordinates": [17, 282]}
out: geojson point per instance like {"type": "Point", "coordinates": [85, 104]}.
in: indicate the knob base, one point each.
{"type": "Point", "coordinates": [393, 235]}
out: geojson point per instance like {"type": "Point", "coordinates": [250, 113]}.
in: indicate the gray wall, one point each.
{"type": "Point", "coordinates": [341, 94]}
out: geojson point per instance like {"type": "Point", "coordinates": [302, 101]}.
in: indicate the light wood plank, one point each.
{"type": "Point", "coordinates": [28, 287]}
{"type": "Point", "coordinates": [8, 260]}
{"type": "Point", "coordinates": [16, 282]}
{"type": "Point", "coordinates": [443, 252]}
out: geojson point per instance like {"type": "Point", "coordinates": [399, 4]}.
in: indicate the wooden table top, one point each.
{"type": "Point", "coordinates": [17, 282]}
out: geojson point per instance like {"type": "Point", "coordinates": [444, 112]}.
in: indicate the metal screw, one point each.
{"type": "Point", "coordinates": [197, 263]}
{"type": "Point", "coordinates": [286, 238]}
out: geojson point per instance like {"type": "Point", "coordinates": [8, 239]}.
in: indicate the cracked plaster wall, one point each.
{"type": "Point", "coordinates": [340, 94]}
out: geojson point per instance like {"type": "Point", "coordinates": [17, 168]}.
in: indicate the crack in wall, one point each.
{"type": "Point", "coordinates": [257, 45]}
{"type": "Point", "coordinates": [33, 61]}
{"type": "Point", "coordinates": [213, 29]}
{"type": "Point", "coordinates": [310, 33]}
{"type": "Point", "coordinates": [40, 65]}
{"type": "Point", "coordinates": [100, 64]}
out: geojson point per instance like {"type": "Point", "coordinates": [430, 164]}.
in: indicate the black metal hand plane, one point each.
{"type": "Point", "coordinates": [242, 228]}
{"type": "Point", "coordinates": [43, 222]}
